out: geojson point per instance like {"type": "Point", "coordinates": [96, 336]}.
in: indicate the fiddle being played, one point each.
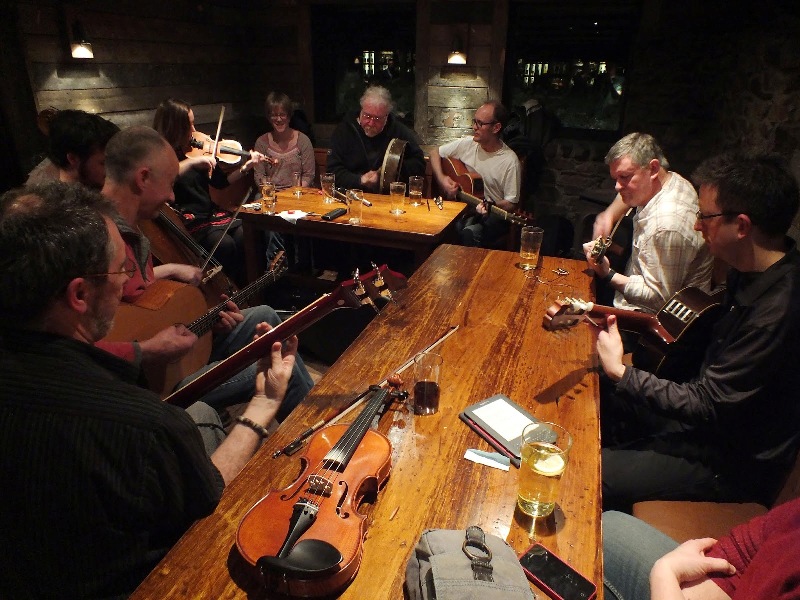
{"type": "Point", "coordinates": [209, 224]}
{"type": "Point", "coordinates": [141, 168]}
{"type": "Point", "coordinates": [92, 462]}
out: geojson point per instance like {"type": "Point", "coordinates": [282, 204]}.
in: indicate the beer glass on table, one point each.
{"type": "Point", "coordinates": [545, 452]}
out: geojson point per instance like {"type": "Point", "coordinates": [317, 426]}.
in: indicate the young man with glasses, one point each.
{"type": "Point", "coordinates": [667, 253]}
{"type": "Point", "coordinates": [731, 433]}
{"type": "Point", "coordinates": [359, 143]}
{"type": "Point", "coordinates": [484, 153]}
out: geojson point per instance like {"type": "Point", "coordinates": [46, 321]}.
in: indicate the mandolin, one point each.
{"type": "Point", "coordinates": [672, 342]}
{"type": "Point", "coordinates": [167, 302]}
{"type": "Point", "coordinates": [353, 293]}
{"type": "Point", "coordinates": [306, 539]}
{"type": "Point", "coordinates": [471, 189]}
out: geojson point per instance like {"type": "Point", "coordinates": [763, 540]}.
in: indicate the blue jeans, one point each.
{"type": "Point", "coordinates": [630, 549]}
{"type": "Point", "coordinates": [240, 387]}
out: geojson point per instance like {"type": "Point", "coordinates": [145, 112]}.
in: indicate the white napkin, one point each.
{"type": "Point", "coordinates": [292, 215]}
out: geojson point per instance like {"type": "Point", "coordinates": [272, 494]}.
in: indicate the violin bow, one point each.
{"type": "Point", "coordinates": [219, 129]}
{"type": "Point", "coordinates": [295, 444]}
{"type": "Point", "coordinates": [225, 232]}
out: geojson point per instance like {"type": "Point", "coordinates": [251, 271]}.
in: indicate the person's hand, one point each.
{"type": "Point", "coordinates": [229, 318]}
{"type": "Point", "coordinates": [204, 162]}
{"type": "Point", "coordinates": [273, 371]}
{"type": "Point", "coordinates": [449, 187]}
{"type": "Point", "coordinates": [256, 158]}
{"type": "Point", "coordinates": [610, 350]}
{"type": "Point", "coordinates": [688, 562]}
{"type": "Point", "coordinates": [370, 180]}
{"type": "Point", "coordinates": [168, 345]}
{"type": "Point", "coordinates": [601, 268]}
{"type": "Point", "coordinates": [482, 209]}
{"type": "Point", "coordinates": [180, 272]}
{"type": "Point", "coordinates": [603, 224]}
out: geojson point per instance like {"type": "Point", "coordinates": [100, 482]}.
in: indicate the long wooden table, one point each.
{"type": "Point", "coordinates": [418, 230]}
{"type": "Point", "coordinates": [499, 347]}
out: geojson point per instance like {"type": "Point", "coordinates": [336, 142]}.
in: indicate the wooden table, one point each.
{"type": "Point", "coordinates": [500, 346]}
{"type": "Point", "coordinates": [419, 230]}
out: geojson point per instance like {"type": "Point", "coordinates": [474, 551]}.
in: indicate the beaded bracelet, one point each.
{"type": "Point", "coordinates": [259, 429]}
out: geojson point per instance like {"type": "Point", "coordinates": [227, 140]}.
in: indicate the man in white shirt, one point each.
{"type": "Point", "coordinates": [486, 154]}
{"type": "Point", "coordinates": [667, 254]}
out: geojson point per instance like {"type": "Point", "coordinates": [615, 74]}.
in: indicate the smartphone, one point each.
{"type": "Point", "coordinates": [555, 577]}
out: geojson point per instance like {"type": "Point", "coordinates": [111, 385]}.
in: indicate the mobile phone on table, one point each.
{"type": "Point", "coordinates": [555, 577]}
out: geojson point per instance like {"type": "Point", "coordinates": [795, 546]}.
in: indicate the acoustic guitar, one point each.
{"type": "Point", "coordinates": [359, 291]}
{"type": "Point", "coordinates": [167, 302]}
{"type": "Point", "coordinates": [673, 341]}
{"type": "Point", "coordinates": [471, 189]}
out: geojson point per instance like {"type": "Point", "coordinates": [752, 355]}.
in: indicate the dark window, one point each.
{"type": "Point", "coordinates": [357, 45]}
{"type": "Point", "coordinates": [570, 59]}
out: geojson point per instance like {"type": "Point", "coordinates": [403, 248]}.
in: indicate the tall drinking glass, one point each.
{"type": "Point", "coordinates": [297, 182]}
{"type": "Point", "coordinates": [415, 185]}
{"type": "Point", "coordinates": [397, 194]}
{"type": "Point", "coordinates": [545, 452]}
{"type": "Point", "coordinates": [328, 182]}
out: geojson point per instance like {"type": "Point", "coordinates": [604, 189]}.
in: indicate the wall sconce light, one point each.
{"type": "Point", "coordinates": [79, 44]}
{"type": "Point", "coordinates": [457, 55]}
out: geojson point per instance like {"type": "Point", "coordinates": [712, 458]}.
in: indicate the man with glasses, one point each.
{"type": "Point", "coordinates": [101, 477]}
{"type": "Point", "coordinates": [484, 153]}
{"type": "Point", "coordinates": [359, 143]}
{"type": "Point", "coordinates": [667, 254]}
{"type": "Point", "coordinates": [731, 433]}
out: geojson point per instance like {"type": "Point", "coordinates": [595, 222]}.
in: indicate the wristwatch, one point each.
{"type": "Point", "coordinates": [478, 553]}
{"type": "Point", "coordinates": [607, 278]}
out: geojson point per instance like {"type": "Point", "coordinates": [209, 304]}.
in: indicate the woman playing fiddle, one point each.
{"type": "Point", "coordinates": [291, 148]}
{"type": "Point", "coordinates": [204, 219]}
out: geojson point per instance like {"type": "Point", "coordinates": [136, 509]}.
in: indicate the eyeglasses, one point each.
{"type": "Point", "coordinates": [281, 117]}
{"type": "Point", "coordinates": [480, 123]}
{"type": "Point", "coordinates": [369, 117]}
{"type": "Point", "coordinates": [701, 217]}
{"type": "Point", "coordinates": [129, 268]}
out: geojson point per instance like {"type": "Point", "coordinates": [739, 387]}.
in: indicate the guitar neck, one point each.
{"type": "Point", "coordinates": [203, 325]}
{"type": "Point", "coordinates": [240, 360]}
{"type": "Point", "coordinates": [634, 320]}
{"type": "Point", "coordinates": [474, 201]}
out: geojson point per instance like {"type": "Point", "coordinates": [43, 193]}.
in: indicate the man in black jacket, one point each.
{"type": "Point", "coordinates": [359, 143]}
{"type": "Point", "coordinates": [730, 434]}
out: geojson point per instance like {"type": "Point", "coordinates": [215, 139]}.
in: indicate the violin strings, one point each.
{"type": "Point", "coordinates": [350, 440]}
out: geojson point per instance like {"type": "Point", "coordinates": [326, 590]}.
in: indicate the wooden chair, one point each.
{"type": "Point", "coordinates": [321, 163]}
{"type": "Point", "coordinates": [683, 520]}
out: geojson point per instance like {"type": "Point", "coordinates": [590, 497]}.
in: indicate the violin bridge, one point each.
{"type": "Point", "coordinates": [319, 485]}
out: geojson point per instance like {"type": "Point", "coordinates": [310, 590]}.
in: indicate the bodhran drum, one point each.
{"type": "Point", "coordinates": [392, 163]}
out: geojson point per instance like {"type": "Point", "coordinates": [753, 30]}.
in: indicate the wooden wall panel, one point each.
{"type": "Point", "coordinates": [208, 53]}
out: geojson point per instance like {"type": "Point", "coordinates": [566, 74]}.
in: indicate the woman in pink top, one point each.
{"type": "Point", "coordinates": [290, 147]}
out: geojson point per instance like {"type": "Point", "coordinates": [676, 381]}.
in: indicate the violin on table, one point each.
{"type": "Point", "coordinates": [306, 539]}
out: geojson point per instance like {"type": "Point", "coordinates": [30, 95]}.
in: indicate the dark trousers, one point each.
{"type": "Point", "coordinates": [646, 456]}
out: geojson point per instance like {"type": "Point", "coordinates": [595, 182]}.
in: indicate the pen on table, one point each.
{"type": "Point", "coordinates": [494, 444]}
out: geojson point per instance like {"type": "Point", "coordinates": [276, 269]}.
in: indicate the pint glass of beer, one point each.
{"type": "Point", "coordinates": [545, 451]}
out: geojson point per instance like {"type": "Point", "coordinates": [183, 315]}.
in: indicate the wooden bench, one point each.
{"type": "Point", "coordinates": [683, 520]}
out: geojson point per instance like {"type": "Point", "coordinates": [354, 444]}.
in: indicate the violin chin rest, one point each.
{"type": "Point", "coordinates": [307, 559]}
